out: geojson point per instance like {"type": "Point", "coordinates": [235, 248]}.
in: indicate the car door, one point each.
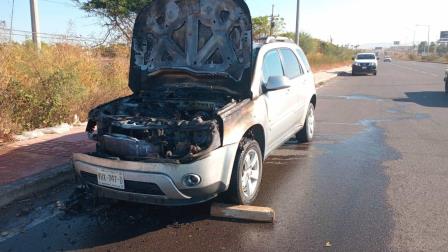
{"type": "Point", "coordinates": [278, 102]}
{"type": "Point", "coordinates": [295, 73]}
{"type": "Point", "coordinates": [308, 89]}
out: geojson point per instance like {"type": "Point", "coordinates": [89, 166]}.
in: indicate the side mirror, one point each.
{"type": "Point", "coordinates": [353, 58]}
{"type": "Point", "coordinates": [277, 83]}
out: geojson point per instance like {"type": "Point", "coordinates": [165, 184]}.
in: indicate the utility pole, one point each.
{"type": "Point", "coordinates": [429, 46]}
{"type": "Point", "coordinates": [10, 25]}
{"type": "Point", "coordinates": [35, 27]}
{"type": "Point", "coordinates": [297, 23]}
{"type": "Point", "coordinates": [413, 42]}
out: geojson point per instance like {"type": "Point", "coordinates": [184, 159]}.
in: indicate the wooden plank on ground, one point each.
{"type": "Point", "coordinates": [251, 213]}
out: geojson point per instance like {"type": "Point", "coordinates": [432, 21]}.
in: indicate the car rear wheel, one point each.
{"type": "Point", "coordinates": [246, 175]}
{"type": "Point", "coordinates": [306, 134]}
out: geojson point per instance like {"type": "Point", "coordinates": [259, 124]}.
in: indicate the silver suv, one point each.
{"type": "Point", "coordinates": [207, 108]}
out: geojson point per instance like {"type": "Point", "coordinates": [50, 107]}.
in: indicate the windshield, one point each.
{"type": "Point", "coordinates": [365, 56]}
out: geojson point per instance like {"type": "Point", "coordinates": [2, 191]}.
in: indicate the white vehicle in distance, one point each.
{"type": "Point", "coordinates": [365, 63]}
{"type": "Point", "coordinates": [388, 59]}
{"type": "Point", "coordinates": [208, 107]}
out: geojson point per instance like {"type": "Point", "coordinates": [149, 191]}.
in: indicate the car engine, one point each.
{"type": "Point", "coordinates": [139, 128]}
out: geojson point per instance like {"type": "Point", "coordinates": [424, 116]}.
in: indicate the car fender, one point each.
{"type": "Point", "coordinates": [238, 119]}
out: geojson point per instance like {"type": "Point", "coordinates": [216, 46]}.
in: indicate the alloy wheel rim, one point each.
{"type": "Point", "coordinates": [251, 173]}
{"type": "Point", "coordinates": [311, 123]}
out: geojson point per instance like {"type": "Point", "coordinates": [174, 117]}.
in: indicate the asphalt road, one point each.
{"type": "Point", "coordinates": [375, 179]}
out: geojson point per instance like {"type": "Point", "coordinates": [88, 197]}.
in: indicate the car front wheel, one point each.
{"type": "Point", "coordinates": [306, 134]}
{"type": "Point", "coordinates": [246, 174]}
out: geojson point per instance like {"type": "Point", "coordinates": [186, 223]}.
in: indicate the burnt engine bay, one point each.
{"type": "Point", "coordinates": [157, 128]}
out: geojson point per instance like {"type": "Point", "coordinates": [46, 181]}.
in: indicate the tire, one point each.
{"type": "Point", "coordinates": [446, 87]}
{"type": "Point", "coordinates": [374, 73]}
{"type": "Point", "coordinates": [306, 134]}
{"type": "Point", "coordinates": [246, 174]}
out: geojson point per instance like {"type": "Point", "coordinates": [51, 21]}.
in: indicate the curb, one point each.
{"type": "Point", "coordinates": [322, 81]}
{"type": "Point", "coordinates": [31, 185]}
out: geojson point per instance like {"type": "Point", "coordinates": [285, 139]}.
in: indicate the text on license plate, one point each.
{"type": "Point", "coordinates": [110, 178]}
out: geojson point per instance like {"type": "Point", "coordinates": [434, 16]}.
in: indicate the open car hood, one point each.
{"type": "Point", "coordinates": [210, 40]}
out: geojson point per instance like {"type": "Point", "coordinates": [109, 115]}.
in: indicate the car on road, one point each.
{"type": "Point", "coordinates": [365, 63]}
{"type": "Point", "coordinates": [388, 59]}
{"type": "Point", "coordinates": [208, 107]}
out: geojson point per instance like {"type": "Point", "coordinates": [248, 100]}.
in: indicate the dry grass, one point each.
{"type": "Point", "coordinates": [45, 89]}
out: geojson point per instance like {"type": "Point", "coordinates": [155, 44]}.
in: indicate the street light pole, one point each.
{"type": "Point", "coordinates": [35, 27]}
{"type": "Point", "coordinates": [297, 39]}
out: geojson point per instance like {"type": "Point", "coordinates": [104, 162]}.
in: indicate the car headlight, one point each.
{"type": "Point", "coordinates": [356, 64]}
{"type": "Point", "coordinates": [373, 64]}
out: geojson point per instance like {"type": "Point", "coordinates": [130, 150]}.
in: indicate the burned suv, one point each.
{"type": "Point", "coordinates": [208, 106]}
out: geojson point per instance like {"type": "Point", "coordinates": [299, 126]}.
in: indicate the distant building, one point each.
{"type": "Point", "coordinates": [443, 38]}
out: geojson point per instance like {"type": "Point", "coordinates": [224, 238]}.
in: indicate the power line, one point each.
{"type": "Point", "coordinates": [60, 3]}
{"type": "Point", "coordinates": [53, 38]}
{"type": "Point", "coordinates": [49, 35]}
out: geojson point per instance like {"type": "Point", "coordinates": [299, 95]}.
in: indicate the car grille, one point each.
{"type": "Point", "coordinates": [130, 186]}
{"type": "Point", "coordinates": [365, 64]}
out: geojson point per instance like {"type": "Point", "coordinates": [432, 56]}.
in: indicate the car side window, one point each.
{"type": "Point", "coordinates": [272, 65]}
{"type": "Point", "coordinates": [304, 59]}
{"type": "Point", "coordinates": [291, 64]}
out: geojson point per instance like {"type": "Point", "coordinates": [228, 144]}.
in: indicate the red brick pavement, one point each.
{"type": "Point", "coordinates": [21, 159]}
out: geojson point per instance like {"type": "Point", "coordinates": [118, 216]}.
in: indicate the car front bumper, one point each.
{"type": "Point", "coordinates": [363, 69]}
{"type": "Point", "coordinates": [161, 183]}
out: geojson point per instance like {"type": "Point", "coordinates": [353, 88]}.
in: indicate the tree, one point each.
{"type": "Point", "coordinates": [262, 26]}
{"type": "Point", "coordinates": [432, 47]}
{"type": "Point", "coordinates": [118, 15]}
{"type": "Point", "coordinates": [290, 35]}
{"type": "Point", "coordinates": [278, 26]}
{"type": "Point", "coordinates": [442, 50]}
{"type": "Point", "coordinates": [422, 47]}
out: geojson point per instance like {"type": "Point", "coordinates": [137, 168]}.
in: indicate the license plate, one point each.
{"type": "Point", "coordinates": [110, 178]}
{"type": "Point", "coordinates": [364, 68]}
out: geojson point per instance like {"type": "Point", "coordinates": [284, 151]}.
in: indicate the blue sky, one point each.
{"type": "Point", "coordinates": [345, 21]}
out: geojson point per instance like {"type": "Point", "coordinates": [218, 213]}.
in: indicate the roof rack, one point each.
{"type": "Point", "coordinates": [271, 39]}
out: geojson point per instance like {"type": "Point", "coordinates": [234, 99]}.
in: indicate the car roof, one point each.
{"type": "Point", "coordinates": [274, 45]}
